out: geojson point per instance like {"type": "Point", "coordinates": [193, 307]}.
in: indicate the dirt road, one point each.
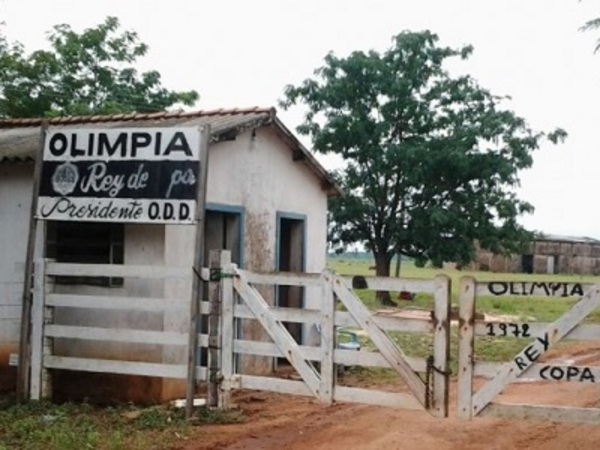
{"type": "Point", "coordinates": [296, 423]}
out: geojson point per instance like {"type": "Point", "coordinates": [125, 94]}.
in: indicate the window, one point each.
{"type": "Point", "coordinates": [86, 243]}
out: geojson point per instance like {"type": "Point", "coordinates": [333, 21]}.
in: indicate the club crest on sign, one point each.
{"type": "Point", "coordinates": [65, 178]}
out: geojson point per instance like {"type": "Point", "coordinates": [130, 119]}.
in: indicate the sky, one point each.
{"type": "Point", "coordinates": [240, 53]}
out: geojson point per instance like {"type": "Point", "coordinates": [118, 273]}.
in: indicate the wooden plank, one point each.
{"type": "Point", "coordinates": [283, 278]}
{"type": "Point", "coordinates": [441, 347]}
{"type": "Point", "coordinates": [204, 307]}
{"type": "Point", "coordinates": [117, 335]}
{"type": "Point", "coordinates": [197, 282]}
{"type": "Point", "coordinates": [328, 338]}
{"type": "Point", "coordinates": [342, 319]}
{"type": "Point", "coordinates": [270, 349]}
{"type": "Point", "coordinates": [178, 371]}
{"type": "Point", "coordinates": [313, 279]}
{"type": "Point", "coordinates": [366, 358]}
{"type": "Point", "coordinates": [526, 330]}
{"type": "Point", "coordinates": [48, 345]}
{"type": "Point", "coordinates": [466, 348]}
{"type": "Point", "coordinates": [37, 332]}
{"type": "Point", "coordinates": [378, 398]}
{"type": "Point", "coordinates": [543, 413]}
{"type": "Point", "coordinates": [498, 288]}
{"type": "Point", "coordinates": [214, 329]}
{"type": "Point", "coordinates": [228, 326]}
{"type": "Point", "coordinates": [282, 314]}
{"type": "Point", "coordinates": [384, 344]}
{"type": "Point", "coordinates": [202, 340]}
{"type": "Point", "coordinates": [345, 319]}
{"type": "Point", "coordinates": [115, 303]}
{"type": "Point", "coordinates": [362, 358]}
{"type": "Point", "coordinates": [278, 385]}
{"type": "Point", "coordinates": [116, 270]}
{"type": "Point", "coordinates": [24, 363]}
{"type": "Point", "coordinates": [545, 372]}
{"type": "Point", "coordinates": [278, 333]}
{"type": "Point", "coordinates": [543, 342]}
{"type": "Point", "coordinates": [390, 284]}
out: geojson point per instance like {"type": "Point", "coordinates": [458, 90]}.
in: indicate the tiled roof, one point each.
{"type": "Point", "coordinates": [20, 138]}
{"type": "Point", "coordinates": [216, 117]}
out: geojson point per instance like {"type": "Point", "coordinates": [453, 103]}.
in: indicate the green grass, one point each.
{"type": "Point", "coordinates": [42, 425]}
{"type": "Point", "coordinates": [525, 308]}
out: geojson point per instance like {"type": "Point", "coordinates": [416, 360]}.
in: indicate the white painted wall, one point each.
{"type": "Point", "coordinates": [15, 201]}
{"type": "Point", "coordinates": [258, 173]}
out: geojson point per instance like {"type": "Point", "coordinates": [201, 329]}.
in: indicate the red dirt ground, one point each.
{"type": "Point", "coordinates": [295, 423]}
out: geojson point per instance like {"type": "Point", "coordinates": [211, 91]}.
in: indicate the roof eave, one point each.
{"type": "Point", "coordinates": [332, 188]}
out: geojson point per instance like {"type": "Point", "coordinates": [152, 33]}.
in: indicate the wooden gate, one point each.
{"type": "Point", "coordinates": [540, 338]}
{"type": "Point", "coordinates": [426, 378]}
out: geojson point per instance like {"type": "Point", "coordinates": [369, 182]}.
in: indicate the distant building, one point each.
{"type": "Point", "coordinates": [548, 253]}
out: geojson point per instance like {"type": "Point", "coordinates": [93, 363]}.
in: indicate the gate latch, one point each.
{"type": "Point", "coordinates": [217, 274]}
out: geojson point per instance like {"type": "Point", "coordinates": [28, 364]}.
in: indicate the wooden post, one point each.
{"type": "Point", "coordinates": [37, 332]}
{"type": "Point", "coordinates": [441, 346]}
{"type": "Point", "coordinates": [466, 347]}
{"type": "Point", "coordinates": [214, 327]}
{"type": "Point", "coordinates": [328, 340]}
{"type": "Point", "coordinates": [26, 298]}
{"type": "Point", "coordinates": [197, 283]}
{"type": "Point", "coordinates": [47, 342]}
{"type": "Point", "coordinates": [227, 331]}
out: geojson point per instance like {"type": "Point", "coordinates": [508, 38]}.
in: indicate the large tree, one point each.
{"type": "Point", "coordinates": [92, 72]}
{"type": "Point", "coordinates": [431, 160]}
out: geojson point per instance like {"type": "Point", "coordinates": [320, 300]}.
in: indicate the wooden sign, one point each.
{"type": "Point", "coordinates": [141, 175]}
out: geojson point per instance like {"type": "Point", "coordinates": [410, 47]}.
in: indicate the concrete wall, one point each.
{"type": "Point", "coordinates": [258, 172]}
{"type": "Point", "coordinates": [15, 202]}
{"type": "Point", "coordinates": [255, 171]}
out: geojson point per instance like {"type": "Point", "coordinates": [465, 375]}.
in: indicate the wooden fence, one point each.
{"type": "Point", "coordinates": [45, 330]}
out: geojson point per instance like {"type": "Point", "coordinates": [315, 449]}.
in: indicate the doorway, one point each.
{"type": "Point", "coordinates": [223, 230]}
{"type": "Point", "coordinates": [291, 234]}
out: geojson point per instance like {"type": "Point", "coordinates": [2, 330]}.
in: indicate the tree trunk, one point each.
{"type": "Point", "coordinates": [398, 263]}
{"type": "Point", "coordinates": [382, 269]}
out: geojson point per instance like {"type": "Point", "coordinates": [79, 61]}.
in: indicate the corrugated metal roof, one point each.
{"type": "Point", "coordinates": [20, 138]}
{"type": "Point", "coordinates": [565, 238]}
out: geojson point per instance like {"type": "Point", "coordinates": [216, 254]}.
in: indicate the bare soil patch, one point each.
{"type": "Point", "coordinates": [296, 423]}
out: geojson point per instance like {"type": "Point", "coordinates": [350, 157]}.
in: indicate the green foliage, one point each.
{"type": "Point", "coordinates": [215, 416]}
{"type": "Point", "coordinates": [82, 74]}
{"type": "Point", "coordinates": [431, 160]}
{"type": "Point", "coordinates": [592, 24]}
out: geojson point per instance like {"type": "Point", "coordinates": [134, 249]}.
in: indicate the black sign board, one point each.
{"type": "Point", "coordinates": [144, 175]}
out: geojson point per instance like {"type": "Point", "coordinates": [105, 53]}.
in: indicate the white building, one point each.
{"type": "Point", "coordinates": [266, 202]}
